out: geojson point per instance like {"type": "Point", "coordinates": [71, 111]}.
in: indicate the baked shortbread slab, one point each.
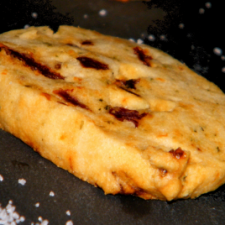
{"type": "Point", "coordinates": [125, 117]}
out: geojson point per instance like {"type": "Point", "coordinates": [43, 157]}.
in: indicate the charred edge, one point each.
{"type": "Point", "coordinates": [178, 153]}
{"type": "Point", "coordinates": [92, 63]}
{"type": "Point", "coordinates": [125, 114]}
{"type": "Point", "coordinates": [30, 62]}
{"type": "Point", "coordinates": [142, 56]}
{"type": "Point", "coordinates": [68, 98]}
{"type": "Point", "coordinates": [87, 42]}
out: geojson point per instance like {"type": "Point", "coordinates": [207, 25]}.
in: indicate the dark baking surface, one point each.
{"type": "Point", "coordinates": [189, 32]}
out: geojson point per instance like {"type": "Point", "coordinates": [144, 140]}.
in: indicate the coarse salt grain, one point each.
{"type": "Point", "coordinates": [44, 222]}
{"type": "Point", "coordinates": [22, 181]}
{"type": "Point", "coordinates": [37, 204]}
{"type": "Point", "coordinates": [26, 26]}
{"type": "Point", "coordinates": [1, 178]}
{"type": "Point", "coordinates": [131, 40]}
{"type": "Point", "coordinates": [140, 41]}
{"type": "Point", "coordinates": [40, 218]}
{"type": "Point", "coordinates": [51, 193]}
{"type": "Point", "coordinates": [8, 215]}
{"type": "Point", "coordinates": [217, 51]}
{"type": "Point", "coordinates": [102, 12]}
{"type": "Point", "coordinates": [69, 222]}
{"type": "Point", "coordinates": [68, 213]}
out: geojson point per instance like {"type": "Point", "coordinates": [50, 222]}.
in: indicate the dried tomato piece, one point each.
{"type": "Point", "coordinates": [178, 153]}
{"type": "Point", "coordinates": [125, 114]}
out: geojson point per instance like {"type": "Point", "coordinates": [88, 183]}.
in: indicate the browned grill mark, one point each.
{"type": "Point", "coordinates": [125, 114]}
{"type": "Point", "coordinates": [92, 63]}
{"type": "Point", "coordinates": [178, 153]}
{"type": "Point", "coordinates": [69, 98]}
{"type": "Point", "coordinates": [87, 42]}
{"type": "Point", "coordinates": [130, 84]}
{"type": "Point", "coordinates": [142, 55]}
{"type": "Point", "coordinates": [30, 62]}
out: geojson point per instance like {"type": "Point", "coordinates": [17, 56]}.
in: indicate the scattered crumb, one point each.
{"type": "Point", "coordinates": [103, 12]}
{"type": "Point", "coordinates": [22, 181]}
{"type": "Point", "coordinates": [51, 193]}
{"type": "Point", "coordinates": [1, 178]}
{"type": "Point", "coordinates": [201, 11]}
{"type": "Point", "coordinates": [181, 26]}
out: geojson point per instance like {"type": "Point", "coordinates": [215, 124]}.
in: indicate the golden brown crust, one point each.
{"type": "Point", "coordinates": [125, 117]}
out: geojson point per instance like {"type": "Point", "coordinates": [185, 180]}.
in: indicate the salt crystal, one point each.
{"type": "Point", "coordinates": [139, 41]}
{"type": "Point", "coordinates": [1, 178]}
{"type": "Point", "coordinates": [131, 40]}
{"type": "Point", "coordinates": [217, 51]}
{"type": "Point", "coordinates": [44, 222]}
{"type": "Point", "coordinates": [151, 37]}
{"type": "Point", "coordinates": [26, 26]}
{"type": "Point", "coordinates": [22, 181]}
{"type": "Point", "coordinates": [40, 218]}
{"type": "Point", "coordinates": [68, 213]}
{"type": "Point", "coordinates": [34, 15]}
{"type": "Point", "coordinates": [102, 12]}
{"type": "Point", "coordinates": [37, 204]}
{"type": "Point", "coordinates": [51, 193]}
{"type": "Point", "coordinates": [8, 215]}
{"type": "Point", "coordinates": [69, 222]}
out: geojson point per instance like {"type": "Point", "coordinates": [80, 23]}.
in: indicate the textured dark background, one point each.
{"type": "Point", "coordinates": [193, 44]}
